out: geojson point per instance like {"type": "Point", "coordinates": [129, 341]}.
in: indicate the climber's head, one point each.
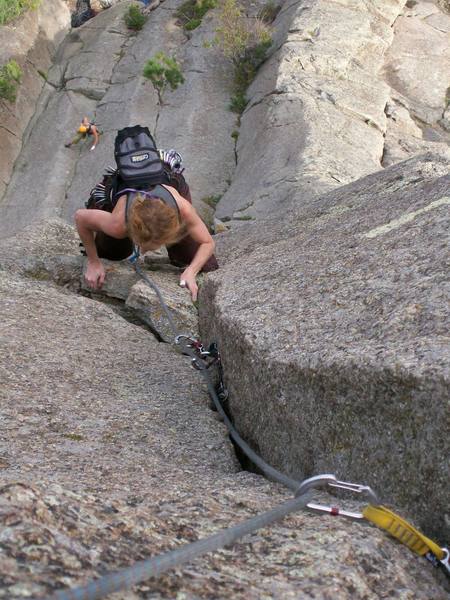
{"type": "Point", "coordinates": [153, 224]}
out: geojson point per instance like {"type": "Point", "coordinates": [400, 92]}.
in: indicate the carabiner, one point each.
{"type": "Point", "coordinates": [330, 480]}
{"type": "Point", "coordinates": [445, 562]}
{"type": "Point", "coordinates": [189, 341]}
{"type": "Point", "coordinates": [184, 336]}
{"type": "Point", "coordinates": [197, 347]}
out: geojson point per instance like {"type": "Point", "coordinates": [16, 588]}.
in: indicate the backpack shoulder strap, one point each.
{"type": "Point", "coordinates": [166, 197]}
{"type": "Point", "coordinates": [158, 190]}
{"type": "Point", "coordinates": [131, 197]}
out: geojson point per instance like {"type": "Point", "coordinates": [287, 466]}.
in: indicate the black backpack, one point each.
{"type": "Point", "coordinates": [140, 166]}
{"type": "Point", "coordinates": [138, 162]}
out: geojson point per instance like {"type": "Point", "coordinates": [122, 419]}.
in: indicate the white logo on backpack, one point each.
{"type": "Point", "coordinates": [139, 157]}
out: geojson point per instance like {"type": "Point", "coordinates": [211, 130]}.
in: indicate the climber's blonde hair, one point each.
{"type": "Point", "coordinates": [152, 222]}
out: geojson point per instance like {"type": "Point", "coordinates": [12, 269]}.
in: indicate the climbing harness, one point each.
{"type": "Point", "coordinates": [380, 516]}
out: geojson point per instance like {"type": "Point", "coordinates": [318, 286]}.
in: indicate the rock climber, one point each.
{"type": "Point", "coordinates": [162, 215]}
{"type": "Point", "coordinates": [86, 129]}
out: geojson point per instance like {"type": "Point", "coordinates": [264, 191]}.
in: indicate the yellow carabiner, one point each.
{"type": "Point", "coordinates": [402, 530]}
{"type": "Point", "coordinates": [380, 516]}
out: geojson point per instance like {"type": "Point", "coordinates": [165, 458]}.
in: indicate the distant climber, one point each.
{"type": "Point", "coordinates": [87, 9]}
{"type": "Point", "coordinates": [145, 202]}
{"type": "Point", "coordinates": [82, 13]}
{"type": "Point", "coordinates": [85, 130]}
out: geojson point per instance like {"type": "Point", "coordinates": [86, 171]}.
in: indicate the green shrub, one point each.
{"type": "Point", "coordinates": [268, 12]}
{"type": "Point", "coordinates": [191, 13]}
{"type": "Point", "coordinates": [238, 102]}
{"type": "Point", "coordinates": [245, 43]}
{"type": "Point", "coordinates": [192, 24]}
{"type": "Point", "coordinates": [163, 71]}
{"type": "Point", "coordinates": [247, 67]}
{"type": "Point", "coordinates": [134, 19]}
{"type": "Point", "coordinates": [232, 36]}
{"type": "Point", "coordinates": [243, 218]}
{"type": "Point", "coordinates": [10, 76]}
{"type": "Point", "coordinates": [212, 201]}
{"type": "Point", "coordinates": [10, 9]}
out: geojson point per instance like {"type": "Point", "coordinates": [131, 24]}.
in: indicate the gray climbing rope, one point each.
{"type": "Point", "coordinates": [152, 567]}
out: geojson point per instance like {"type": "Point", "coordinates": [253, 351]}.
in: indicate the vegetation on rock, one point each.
{"type": "Point", "coordinates": [269, 12]}
{"type": "Point", "coordinates": [212, 201]}
{"type": "Point", "coordinates": [10, 9]}
{"type": "Point", "coordinates": [10, 76]}
{"type": "Point", "coordinates": [134, 19]}
{"type": "Point", "coordinates": [245, 42]}
{"type": "Point", "coordinates": [190, 13]}
{"type": "Point", "coordinates": [238, 102]}
{"type": "Point", "coordinates": [163, 71]}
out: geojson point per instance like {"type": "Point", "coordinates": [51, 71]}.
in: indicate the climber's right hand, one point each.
{"type": "Point", "coordinates": [95, 274]}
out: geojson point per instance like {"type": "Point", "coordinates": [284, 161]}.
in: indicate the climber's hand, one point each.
{"type": "Point", "coordinates": [188, 280]}
{"type": "Point", "coordinates": [95, 274]}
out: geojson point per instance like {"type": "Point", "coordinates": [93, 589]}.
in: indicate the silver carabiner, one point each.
{"type": "Point", "coordinates": [195, 344]}
{"type": "Point", "coordinates": [181, 336]}
{"type": "Point", "coordinates": [445, 562]}
{"type": "Point", "coordinates": [330, 480]}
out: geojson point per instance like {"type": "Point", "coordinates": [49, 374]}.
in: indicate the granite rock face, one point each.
{"type": "Point", "coordinates": [340, 96]}
{"type": "Point", "coordinates": [334, 336]}
{"type": "Point", "coordinates": [320, 96]}
{"type": "Point", "coordinates": [31, 42]}
{"type": "Point", "coordinates": [418, 117]}
{"type": "Point", "coordinates": [98, 73]}
{"type": "Point", "coordinates": [328, 311]}
{"type": "Point", "coordinates": [109, 454]}
{"type": "Point", "coordinates": [49, 251]}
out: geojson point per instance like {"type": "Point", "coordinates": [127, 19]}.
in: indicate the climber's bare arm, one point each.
{"type": "Point", "coordinates": [95, 134]}
{"type": "Point", "coordinates": [90, 221]}
{"type": "Point", "coordinates": [198, 232]}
